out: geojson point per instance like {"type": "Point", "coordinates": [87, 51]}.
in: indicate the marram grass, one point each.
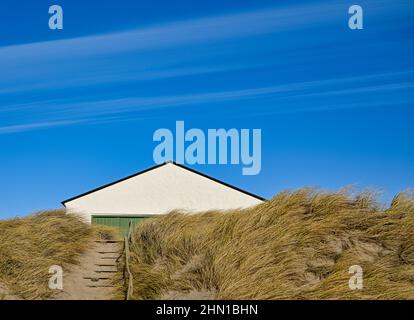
{"type": "Point", "coordinates": [30, 245]}
{"type": "Point", "coordinates": [298, 245]}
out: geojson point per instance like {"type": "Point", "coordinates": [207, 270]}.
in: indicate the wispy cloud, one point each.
{"type": "Point", "coordinates": [244, 24]}
{"type": "Point", "coordinates": [56, 113]}
{"type": "Point", "coordinates": [35, 126]}
{"type": "Point", "coordinates": [78, 61]}
{"type": "Point", "coordinates": [176, 33]}
{"type": "Point", "coordinates": [34, 66]}
{"type": "Point", "coordinates": [160, 52]}
{"type": "Point", "coordinates": [84, 80]}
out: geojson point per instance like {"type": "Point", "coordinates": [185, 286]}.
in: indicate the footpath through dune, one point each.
{"type": "Point", "coordinates": [92, 278]}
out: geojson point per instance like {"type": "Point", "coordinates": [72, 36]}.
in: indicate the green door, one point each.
{"type": "Point", "coordinates": [121, 223]}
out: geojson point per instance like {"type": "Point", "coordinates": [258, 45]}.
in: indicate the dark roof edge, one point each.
{"type": "Point", "coordinates": [220, 182]}
{"type": "Point", "coordinates": [156, 167]}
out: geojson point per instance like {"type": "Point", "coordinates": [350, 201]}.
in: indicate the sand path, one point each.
{"type": "Point", "coordinates": [92, 278]}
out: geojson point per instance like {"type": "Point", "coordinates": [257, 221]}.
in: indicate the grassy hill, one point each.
{"type": "Point", "coordinates": [298, 245]}
{"type": "Point", "coordinates": [29, 246]}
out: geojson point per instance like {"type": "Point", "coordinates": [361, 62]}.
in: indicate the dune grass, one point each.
{"type": "Point", "coordinates": [30, 245]}
{"type": "Point", "coordinates": [298, 245]}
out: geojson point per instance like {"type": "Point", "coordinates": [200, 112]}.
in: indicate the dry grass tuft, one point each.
{"type": "Point", "coordinates": [30, 245]}
{"type": "Point", "coordinates": [299, 245]}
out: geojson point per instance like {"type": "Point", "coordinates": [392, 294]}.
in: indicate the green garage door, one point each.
{"type": "Point", "coordinates": [121, 223]}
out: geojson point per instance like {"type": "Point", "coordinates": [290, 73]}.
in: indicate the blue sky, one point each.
{"type": "Point", "coordinates": [78, 107]}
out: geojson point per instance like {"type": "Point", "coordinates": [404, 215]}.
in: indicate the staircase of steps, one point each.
{"type": "Point", "coordinates": [107, 253]}
{"type": "Point", "coordinates": [92, 278]}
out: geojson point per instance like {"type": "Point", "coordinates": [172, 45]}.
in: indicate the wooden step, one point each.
{"type": "Point", "coordinates": [105, 248]}
{"type": "Point", "coordinates": [106, 269]}
{"type": "Point", "coordinates": [109, 241]}
{"type": "Point", "coordinates": [101, 282]}
{"type": "Point", "coordinates": [101, 275]}
{"type": "Point", "coordinates": [107, 252]}
{"type": "Point", "coordinates": [109, 258]}
{"type": "Point", "coordinates": [95, 279]}
{"type": "Point", "coordinates": [103, 286]}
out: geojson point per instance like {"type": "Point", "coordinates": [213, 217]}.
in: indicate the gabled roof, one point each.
{"type": "Point", "coordinates": [156, 167]}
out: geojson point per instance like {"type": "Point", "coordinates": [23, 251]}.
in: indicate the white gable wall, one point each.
{"type": "Point", "coordinates": [159, 191]}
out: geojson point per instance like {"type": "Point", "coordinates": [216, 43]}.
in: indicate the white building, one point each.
{"type": "Point", "coordinates": [158, 190]}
